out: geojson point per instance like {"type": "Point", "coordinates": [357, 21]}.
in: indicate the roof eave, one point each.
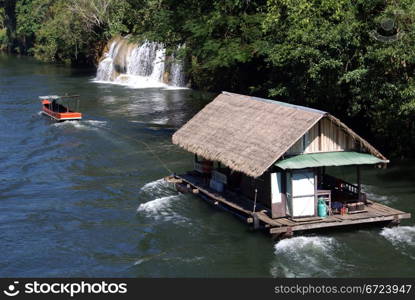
{"type": "Point", "coordinates": [365, 143]}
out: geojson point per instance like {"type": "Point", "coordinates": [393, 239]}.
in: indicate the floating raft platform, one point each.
{"type": "Point", "coordinates": [243, 208]}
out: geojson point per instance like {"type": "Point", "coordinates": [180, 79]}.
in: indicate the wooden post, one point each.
{"type": "Point", "coordinates": [256, 221]}
{"type": "Point", "coordinates": [315, 192]}
{"type": "Point", "coordinates": [256, 195]}
{"type": "Point", "coordinates": [320, 147]}
{"type": "Point", "coordinates": [359, 187]}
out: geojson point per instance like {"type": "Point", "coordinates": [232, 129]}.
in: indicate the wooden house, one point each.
{"type": "Point", "coordinates": [265, 161]}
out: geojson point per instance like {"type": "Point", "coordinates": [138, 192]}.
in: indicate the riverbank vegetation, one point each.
{"type": "Point", "coordinates": [353, 58]}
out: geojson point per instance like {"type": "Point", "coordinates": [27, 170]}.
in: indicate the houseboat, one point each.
{"type": "Point", "coordinates": [265, 161]}
{"type": "Point", "coordinates": [61, 108]}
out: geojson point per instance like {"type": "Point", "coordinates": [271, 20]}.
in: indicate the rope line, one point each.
{"type": "Point", "coordinates": [163, 164]}
{"type": "Point", "coordinates": [156, 156]}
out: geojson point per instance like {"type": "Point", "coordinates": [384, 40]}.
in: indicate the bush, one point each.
{"type": "Point", "coordinates": [3, 38]}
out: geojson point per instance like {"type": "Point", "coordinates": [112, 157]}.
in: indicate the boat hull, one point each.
{"type": "Point", "coordinates": [59, 116]}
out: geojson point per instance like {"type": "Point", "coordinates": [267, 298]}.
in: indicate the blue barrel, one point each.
{"type": "Point", "coordinates": [321, 208]}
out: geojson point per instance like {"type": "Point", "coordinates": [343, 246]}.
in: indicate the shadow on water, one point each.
{"type": "Point", "coordinates": [400, 170]}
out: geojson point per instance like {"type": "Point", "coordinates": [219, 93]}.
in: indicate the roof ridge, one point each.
{"type": "Point", "coordinates": [275, 102]}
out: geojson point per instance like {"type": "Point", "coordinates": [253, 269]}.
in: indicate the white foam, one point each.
{"type": "Point", "coordinates": [140, 82]}
{"type": "Point", "coordinates": [159, 185]}
{"type": "Point", "coordinates": [95, 122]}
{"type": "Point", "coordinates": [400, 235]}
{"type": "Point", "coordinates": [161, 209]}
{"type": "Point", "coordinates": [144, 64]}
{"type": "Point", "coordinates": [147, 258]}
{"type": "Point", "coordinates": [81, 124]}
{"type": "Point", "coordinates": [304, 243]}
{"type": "Point", "coordinates": [141, 260]}
{"type": "Point", "coordinates": [73, 124]}
{"type": "Point", "coordinates": [170, 87]}
{"type": "Point", "coordinates": [305, 256]}
{"type": "Point", "coordinates": [192, 259]}
{"type": "Point", "coordinates": [372, 195]}
{"type": "Point", "coordinates": [161, 121]}
{"type": "Point", "coordinates": [135, 82]}
{"type": "Point", "coordinates": [156, 205]}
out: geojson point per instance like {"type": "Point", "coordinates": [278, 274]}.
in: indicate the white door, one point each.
{"type": "Point", "coordinates": [303, 194]}
{"type": "Point", "coordinates": [278, 208]}
{"type": "Point", "coordinates": [275, 187]}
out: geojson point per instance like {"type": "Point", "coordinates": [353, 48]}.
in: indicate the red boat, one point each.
{"type": "Point", "coordinates": [58, 108]}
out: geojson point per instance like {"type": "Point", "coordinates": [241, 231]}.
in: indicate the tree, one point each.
{"type": "Point", "coordinates": [9, 21]}
{"type": "Point", "coordinates": [329, 54]}
{"type": "Point", "coordinates": [99, 15]}
{"type": "Point", "coordinates": [76, 30]}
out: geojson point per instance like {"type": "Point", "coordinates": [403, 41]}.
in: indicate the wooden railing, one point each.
{"type": "Point", "coordinates": [333, 183]}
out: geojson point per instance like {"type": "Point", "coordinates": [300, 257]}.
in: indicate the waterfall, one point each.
{"type": "Point", "coordinates": [106, 66]}
{"type": "Point", "coordinates": [139, 65]}
{"type": "Point", "coordinates": [177, 75]}
{"type": "Point", "coordinates": [159, 65]}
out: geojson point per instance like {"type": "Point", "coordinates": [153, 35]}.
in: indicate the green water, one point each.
{"type": "Point", "coordinates": [87, 199]}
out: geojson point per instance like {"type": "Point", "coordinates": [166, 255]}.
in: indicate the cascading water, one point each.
{"type": "Point", "coordinates": [159, 65]}
{"type": "Point", "coordinates": [106, 66]}
{"type": "Point", "coordinates": [177, 74]}
{"type": "Point", "coordinates": [139, 66]}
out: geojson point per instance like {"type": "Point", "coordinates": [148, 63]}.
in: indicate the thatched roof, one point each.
{"type": "Point", "coordinates": [249, 134]}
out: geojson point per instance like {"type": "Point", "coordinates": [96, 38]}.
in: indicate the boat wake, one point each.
{"type": "Point", "coordinates": [157, 188]}
{"type": "Point", "coordinates": [147, 258]}
{"type": "Point", "coordinates": [161, 209]}
{"type": "Point", "coordinates": [157, 205]}
{"type": "Point", "coordinates": [83, 124]}
{"type": "Point", "coordinates": [402, 238]}
{"type": "Point", "coordinates": [302, 256]}
{"type": "Point", "coordinates": [161, 206]}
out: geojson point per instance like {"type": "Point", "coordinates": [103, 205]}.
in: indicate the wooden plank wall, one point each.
{"type": "Point", "coordinates": [263, 186]}
{"type": "Point", "coordinates": [325, 136]}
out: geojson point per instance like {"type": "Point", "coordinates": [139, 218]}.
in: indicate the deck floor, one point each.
{"type": "Point", "coordinates": [374, 211]}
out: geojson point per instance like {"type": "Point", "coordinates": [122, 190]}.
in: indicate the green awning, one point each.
{"type": "Point", "coordinates": [328, 159]}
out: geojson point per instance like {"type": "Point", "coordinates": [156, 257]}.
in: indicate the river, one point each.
{"type": "Point", "coordinates": [87, 198]}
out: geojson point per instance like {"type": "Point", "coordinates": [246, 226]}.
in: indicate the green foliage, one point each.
{"type": "Point", "coordinates": [353, 58]}
{"type": "Point", "coordinates": [30, 15]}
{"type": "Point", "coordinates": [60, 38]}
{"type": "Point", "coordinates": [3, 35]}
{"type": "Point", "coordinates": [68, 31]}
{"type": "Point", "coordinates": [335, 55]}
{"type": "Point", "coordinates": [2, 18]}
{"type": "Point", "coordinates": [3, 38]}
{"type": "Point", "coordinates": [221, 37]}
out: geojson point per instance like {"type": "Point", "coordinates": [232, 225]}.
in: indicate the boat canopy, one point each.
{"type": "Point", "coordinates": [53, 97]}
{"type": "Point", "coordinates": [328, 159]}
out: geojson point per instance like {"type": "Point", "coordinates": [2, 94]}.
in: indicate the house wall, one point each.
{"type": "Point", "coordinates": [325, 136]}
{"type": "Point", "coordinates": [263, 186]}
